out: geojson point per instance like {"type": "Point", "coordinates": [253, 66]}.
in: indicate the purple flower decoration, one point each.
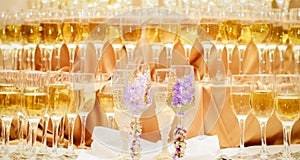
{"type": "Point", "coordinates": [137, 94]}
{"type": "Point", "coordinates": [183, 94]}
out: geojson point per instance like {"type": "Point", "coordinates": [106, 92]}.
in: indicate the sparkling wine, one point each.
{"type": "Point", "coordinates": [131, 33]}
{"type": "Point", "coordinates": [212, 29]}
{"type": "Point", "coordinates": [72, 32]}
{"type": "Point", "coordinates": [14, 33]}
{"type": "Point", "coordinates": [245, 37]}
{"type": "Point", "coordinates": [240, 103]}
{"type": "Point", "coordinates": [260, 32]}
{"type": "Point", "coordinates": [152, 32]}
{"type": "Point", "coordinates": [114, 34]}
{"type": "Point", "coordinates": [3, 35]}
{"type": "Point", "coordinates": [294, 34]}
{"type": "Point", "coordinates": [106, 102]}
{"type": "Point", "coordinates": [168, 33]}
{"type": "Point", "coordinates": [277, 34]}
{"type": "Point", "coordinates": [188, 33]}
{"type": "Point", "coordinates": [9, 102]}
{"type": "Point", "coordinates": [97, 31]}
{"type": "Point", "coordinates": [76, 100]}
{"type": "Point", "coordinates": [287, 108]}
{"type": "Point", "coordinates": [232, 29]}
{"type": "Point", "coordinates": [30, 33]}
{"type": "Point", "coordinates": [262, 103]}
{"type": "Point", "coordinates": [59, 99]}
{"type": "Point", "coordinates": [34, 104]}
{"type": "Point", "coordinates": [49, 32]}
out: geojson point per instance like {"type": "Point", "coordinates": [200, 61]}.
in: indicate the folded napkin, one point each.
{"type": "Point", "coordinates": [107, 145]}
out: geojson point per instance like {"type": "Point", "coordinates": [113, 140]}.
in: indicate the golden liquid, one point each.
{"type": "Point", "coordinates": [106, 102]}
{"type": "Point", "coordinates": [72, 32]}
{"type": "Point", "coordinates": [85, 32]}
{"type": "Point", "coordinates": [260, 32]}
{"type": "Point", "coordinates": [31, 33]}
{"type": "Point", "coordinates": [114, 34]}
{"type": "Point", "coordinates": [9, 103]}
{"type": "Point", "coordinates": [168, 33]}
{"type": "Point", "coordinates": [152, 34]}
{"type": "Point", "coordinates": [277, 33]}
{"type": "Point", "coordinates": [262, 103]}
{"type": "Point", "coordinates": [287, 108]}
{"type": "Point", "coordinates": [50, 32]}
{"type": "Point", "coordinates": [97, 31]}
{"type": "Point", "coordinates": [240, 103]}
{"type": "Point", "coordinates": [3, 35]}
{"type": "Point", "coordinates": [212, 29]}
{"type": "Point", "coordinates": [59, 99]}
{"type": "Point", "coordinates": [76, 96]}
{"type": "Point", "coordinates": [232, 29]}
{"type": "Point", "coordinates": [34, 105]}
{"type": "Point", "coordinates": [294, 34]}
{"type": "Point", "coordinates": [14, 33]}
{"type": "Point", "coordinates": [245, 37]}
{"type": "Point", "coordinates": [131, 33]}
{"type": "Point", "coordinates": [188, 33]}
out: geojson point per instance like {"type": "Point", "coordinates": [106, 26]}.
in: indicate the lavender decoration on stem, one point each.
{"type": "Point", "coordinates": [136, 129]}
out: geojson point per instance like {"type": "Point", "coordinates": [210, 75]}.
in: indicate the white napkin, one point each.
{"type": "Point", "coordinates": [106, 145]}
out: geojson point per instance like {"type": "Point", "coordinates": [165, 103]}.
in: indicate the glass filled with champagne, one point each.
{"type": "Point", "coordinates": [287, 108]}
{"type": "Point", "coordinates": [59, 101]}
{"type": "Point", "coordinates": [294, 34]}
{"type": "Point", "coordinates": [262, 105]}
{"type": "Point", "coordinates": [34, 103]}
{"type": "Point", "coordinates": [240, 104]}
{"type": "Point", "coordinates": [10, 101]}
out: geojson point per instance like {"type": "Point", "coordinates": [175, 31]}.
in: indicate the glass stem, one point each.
{"type": "Point", "coordinates": [33, 127]}
{"type": "Point", "coordinates": [71, 121]}
{"type": "Point", "coordinates": [287, 141]}
{"type": "Point", "coordinates": [262, 62]}
{"type": "Point", "coordinates": [20, 132]}
{"type": "Point", "coordinates": [45, 129]}
{"type": "Point", "coordinates": [6, 123]}
{"type": "Point", "coordinates": [206, 61]}
{"type": "Point", "coordinates": [263, 139]}
{"type": "Point", "coordinates": [130, 54]}
{"type": "Point", "coordinates": [83, 123]}
{"type": "Point", "coordinates": [282, 49]}
{"type": "Point", "coordinates": [230, 48]}
{"type": "Point", "coordinates": [57, 57]}
{"type": "Point", "coordinates": [242, 133]}
{"type": "Point", "coordinates": [55, 126]}
{"type": "Point", "coordinates": [72, 48]}
{"type": "Point", "coordinates": [169, 51]}
{"type": "Point", "coordinates": [242, 49]}
{"type": "Point", "coordinates": [271, 60]}
{"type": "Point", "coordinates": [187, 52]}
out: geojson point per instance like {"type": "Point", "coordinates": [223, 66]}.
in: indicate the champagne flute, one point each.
{"type": "Point", "coordinates": [59, 102]}
{"type": "Point", "coordinates": [240, 104]}
{"type": "Point", "coordinates": [4, 45]}
{"type": "Point", "coordinates": [30, 29]}
{"type": "Point", "coordinates": [261, 29]}
{"type": "Point", "coordinates": [181, 98]}
{"type": "Point", "coordinates": [121, 113]}
{"type": "Point", "coordinates": [10, 99]}
{"type": "Point", "coordinates": [293, 32]}
{"type": "Point", "coordinates": [76, 94]}
{"type": "Point", "coordinates": [262, 105]}
{"type": "Point", "coordinates": [164, 113]}
{"type": "Point", "coordinates": [287, 108]}
{"type": "Point", "coordinates": [137, 98]}
{"type": "Point", "coordinates": [34, 104]}
{"type": "Point", "coordinates": [131, 31]}
{"type": "Point", "coordinates": [188, 33]}
{"type": "Point", "coordinates": [89, 98]}
{"type": "Point", "coordinates": [168, 32]}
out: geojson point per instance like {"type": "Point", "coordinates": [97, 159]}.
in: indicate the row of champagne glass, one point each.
{"type": "Point", "coordinates": [37, 96]}
{"type": "Point", "coordinates": [262, 95]}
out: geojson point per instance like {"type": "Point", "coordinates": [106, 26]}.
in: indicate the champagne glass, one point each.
{"type": "Point", "coordinates": [137, 98]}
{"type": "Point", "coordinates": [4, 45]}
{"type": "Point", "coordinates": [287, 108]}
{"type": "Point", "coordinates": [34, 103]}
{"type": "Point", "coordinates": [59, 102]}
{"type": "Point", "coordinates": [181, 98]}
{"type": "Point", "coordinates": [188, 33]}
{"type": "Point", "coordinates": [168, 32]}
{"type": "Point", "coordinates": [30, 29]}
{"type": "Point", "coordinates": [262, 105]}
{"type": "Point", "coordinates": [10, 92]}
{"type": "Point", "coordinates": [89, 98]}
{"type": "Point", "coordinates": [121, 113]}
{"type": "Point", "coordinates": [232, 28]}
{"type": "Point", "coordinates": [164, 113]}
{"type": "Point", "coordinates": [105, 97]}
{"type": "Point", "coordinates": [76, 94]}
{"type": "Point", "coordinates": [131, 31]}
{"type": "Point", "coordinates": [293, 32]}
{"type": "Point", "coordinates": [240, 104]}
{"type": "Point", "coordinates": [98, 29]}
{"type": "Point", "coordinates": [261, 29]}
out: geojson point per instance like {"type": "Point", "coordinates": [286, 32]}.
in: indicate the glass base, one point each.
{"type": "Point", "coordinates": [70, 154]}
{"type": "Point", "coordinates": [261, 156]}
{"type": "Point", "coordinates": [123, 156]}
{"type": "Point", "coordinates": [242, 156]}
{"type": "Point", "coordinates": [163, 156]}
